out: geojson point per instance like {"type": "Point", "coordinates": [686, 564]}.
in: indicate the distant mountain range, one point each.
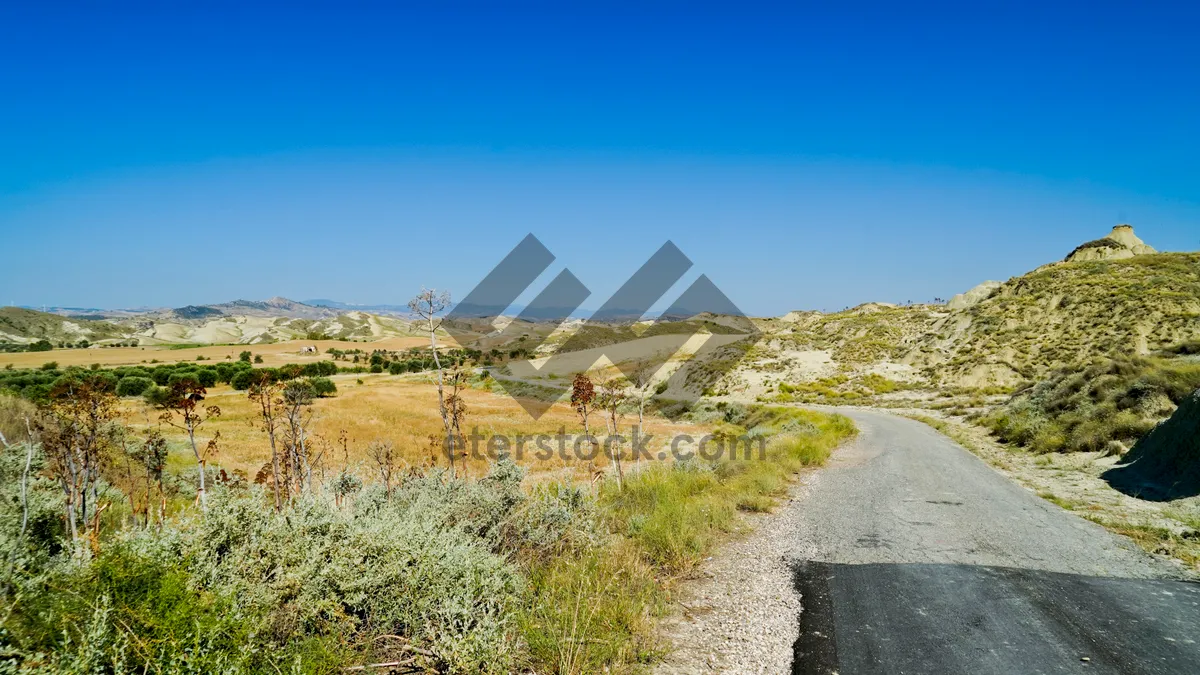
{"type": "Point", "coordinates": [350, 307]}
{"type": "Point", "coordinates": [325, 308]}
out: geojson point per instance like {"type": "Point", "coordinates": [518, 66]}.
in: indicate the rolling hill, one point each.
{"type": "Point", "coordinates": [237, 322]}
{"type": "Point", "coordinates": [1129, 302]}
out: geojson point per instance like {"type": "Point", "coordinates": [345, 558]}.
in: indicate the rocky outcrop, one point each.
{"type": "Point", "coordinates": [1120, 243]}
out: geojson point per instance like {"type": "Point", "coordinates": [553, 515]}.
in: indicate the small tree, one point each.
{"type": "Point", "coordinates": [30, 443]}
{"type": "Point", "coordinates": [149, 459]}
{"type": "Point", "coordinates": [180, 403]}
{"type": "Point", "coordinates": [612, 397]}
{"type": "Point", "coordinates": [78, 427]}
{"type": "Point", "coordinates": [428, 305]}
{"type": "Point", "coordinates": [245, 357]}
{"type": "Point", "coordinates": [583, 395]}
{"type": "Point", "coordinates": [642, 377]}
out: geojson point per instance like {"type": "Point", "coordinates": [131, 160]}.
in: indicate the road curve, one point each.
{"type": "Point", "coordinates": [925, 560]}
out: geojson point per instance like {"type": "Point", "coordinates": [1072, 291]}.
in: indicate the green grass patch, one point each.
{"type": "Point", "coordinates": [676, 513]}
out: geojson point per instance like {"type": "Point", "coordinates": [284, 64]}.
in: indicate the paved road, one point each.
{"type": "Point", "coordinates": [928, 561]}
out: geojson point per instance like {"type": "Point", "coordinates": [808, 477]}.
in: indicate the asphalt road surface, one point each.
{"type": "Point", "coordinates": [928, 561]}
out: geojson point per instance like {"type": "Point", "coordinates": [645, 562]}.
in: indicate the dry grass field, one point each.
{"type": "Point", "coordinates": [275, 354]}
{"type": "Point", "coordinates": [400, 409]}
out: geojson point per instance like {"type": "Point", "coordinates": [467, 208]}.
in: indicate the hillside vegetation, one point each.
{"type": "Point", "coordinates": [1063, 314]}
{"type": "Point", "coordinates": [1019, 331]}
{"type": "Point", "coordinates": [1106, 405]}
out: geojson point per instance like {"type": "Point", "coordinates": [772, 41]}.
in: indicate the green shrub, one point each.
{"type": "Point", "coordinates": [39, 346]}
{"type": "Point", "coordinates": [322, 386]}
{"type": "Point", "coordinates": [1086, 407]}
{"type": "Point", "coordinates": [395, 567]}
{"type": "Point", "coordinates": [133, 386]}
{"type": "Point", "coordinates": [242, 380]}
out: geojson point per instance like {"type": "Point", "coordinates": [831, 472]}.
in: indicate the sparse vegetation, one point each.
{"type": "Point", "coordinates": [463, 575]}
{"type": "Point", "coordinates": [1089, 408]}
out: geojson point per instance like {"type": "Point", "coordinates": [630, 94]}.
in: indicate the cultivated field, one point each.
{"type": "Point", "coordinates": [401, 410]}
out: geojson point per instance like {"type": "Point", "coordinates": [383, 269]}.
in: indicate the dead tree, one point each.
{"type": "Point", "coordinates": [384, 456]}
{"type": "Point", "coordinates": [180, 405]}
{"type": "Point", "coordinates": [428, 306]}
{"type": "Point", "coordinates": [297, 415]}
{"type": "Point", "coordinates": [456, 410]}
{"type": "Point", "coordinates": [152, 456]}
{"type": "Point", "coordinates": [264, 391]}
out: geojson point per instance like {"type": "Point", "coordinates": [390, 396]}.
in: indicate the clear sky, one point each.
{"type": "Point", "coordinates": [802, 156]}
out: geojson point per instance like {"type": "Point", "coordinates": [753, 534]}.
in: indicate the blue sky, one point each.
{"type": "Point", "coordinates": [803, 157]}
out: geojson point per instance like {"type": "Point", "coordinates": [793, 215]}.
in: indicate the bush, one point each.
{"type": "Point", "coordinates": [134, 609]}
{"type": "Point", "coordinates": [50, 365]}
{"type": "Point", "coordinates": [322, 386]}
{"type": "Point", "coordinates": [156, 395]}
{"type": "Point", "coordinates": [389, 568]}
{"type": "Point", "coordinates": [13, 413]}
{"type": "Point", "coordinates": [244, 357]}
{"type": "Point", "coordinates": [133, 386]}
{"type": "Point", "coordinates": [1087, 407]}
{"type": "Point", "coordinates": [39, 346]}
{"type": "Point", "coordinates": [183, 376]}
{"type": "Point", "coordinates": [207, 377]}
{"type": "Point", "coordinates": [242, 380]}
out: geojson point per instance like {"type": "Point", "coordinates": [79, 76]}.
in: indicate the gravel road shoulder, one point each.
{"type": "Point", "coordinates": [741, 614]}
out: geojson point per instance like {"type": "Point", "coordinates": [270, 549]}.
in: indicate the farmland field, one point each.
{"type": "Point", "coordinates": [274, 354]}
{"type": "Point", "coordinates": [400, 409]}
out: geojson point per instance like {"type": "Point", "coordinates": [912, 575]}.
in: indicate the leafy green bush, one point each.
{"type": "Point", "coordinates": [133, 386]}
{"type": "Point", "coordinates": [322, 386]}
{"type": "Point", "coordinates": [242, 380]}
{"type": "Point", "coordinates": [39, 346]}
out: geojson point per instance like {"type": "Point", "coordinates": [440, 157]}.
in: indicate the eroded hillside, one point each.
{"type": "Point", "coordinates": [995, 336]}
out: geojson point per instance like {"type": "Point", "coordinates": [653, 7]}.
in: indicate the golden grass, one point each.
{"type": "Point", "coordinates": [276, 354]}
{"type": "Point", "coordinates": [401, 409]}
